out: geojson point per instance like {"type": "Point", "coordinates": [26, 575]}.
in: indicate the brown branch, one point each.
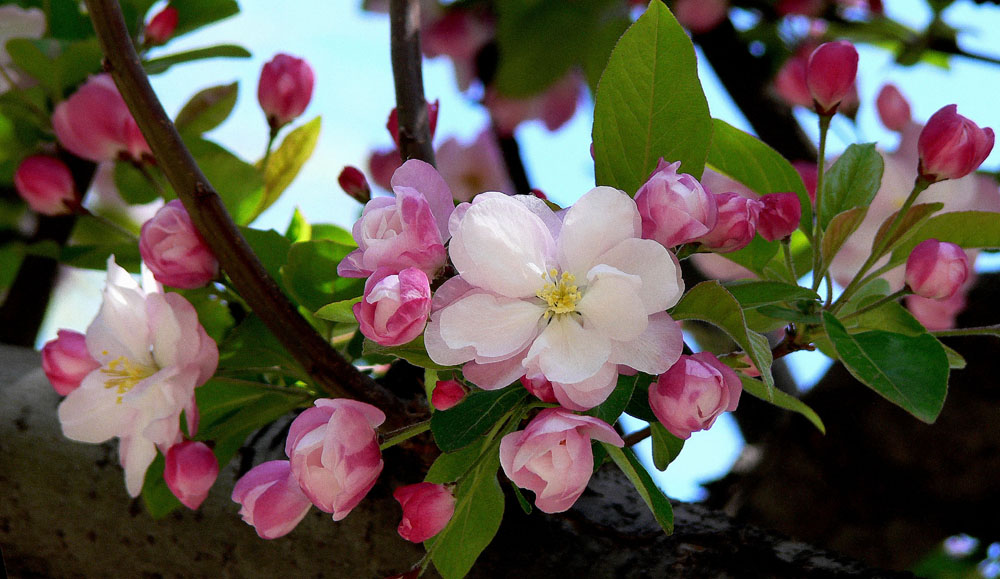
{"type": "Point", "coordinates": [324, 364]}
{"type": "Point", "coordinates": [414, 124]}
{"type": "Point", "coordinates": [513, 162]}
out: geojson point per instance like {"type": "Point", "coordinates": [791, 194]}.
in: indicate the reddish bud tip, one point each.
{"type": "Point", "coordinates": [161, 27]}
{"type": "Point", "coordinates": [46, 184]}
{"type": "Point", "coordinates": [951, 146]}
{"type": "Point", "coordinates": [830, 74]}
{"type": "Point", "coordinates": [393, 123]}
{"type": "Point", "coordinates": [285, 89]}
{"type": "Point", "coordinates": [893, 108]}
{"type": "Point", "coordinates": [354, 183]}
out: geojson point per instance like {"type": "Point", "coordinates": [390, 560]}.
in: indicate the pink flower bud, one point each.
{"type": "Point", "coordinates": [353, 182]}
{"type": "Point", "coordinates": [779, 216]}
{"type": "Point", "coordinates": [893, 109]}
{"type": "Point", "coordinates": [161, 27]}
{"type": "Point", "coordinates": [427, 508]}
{"type": "Point", "coordinates": [737, 223]}
{"type": "Point", "coordinates": [46, 184]}
{"type": "Point", "coordinates": [381, 166]}
{"type": "Point", "coordinates": [270, 499]}
{"type": "Point", "coordinates": [190, 471]}
{"type": "Point", "coordinates": [700, 16]}
{"type": "Point", "coordinates": [447, 393]}
{"type": "Point", "coordinates": [285, 88]}
{"type": "Point", "coordinates": [790, 82]}
{"type": "Point", "coordinates": [66, 361]}
{"type": "Point", "coordinates": [174, 251]}
{"type": "Point", "coordinates": [936, 269]}
{"type": "Point", "coordinates": [395, 307]}
{"type": "Point", "coordinates": [334, 453]}
{"type": "Point", "coordinates": [393, 123]}
{"type": "Point", "coordinates": [830, 74]}
{"type": "Point", "coordinates": [94, 123]}
{"type": "Point", "coordinates": [693, 393]}
{"type": "Point", "coordinates": [552, 456]}
{"type": "Point", "coordinates": [937, 314]}
{"type": "Point", "coordinates": [675, 208]}
{"type": "Point", "coordinates": [807, 171]}
{"type": "Point", "coordinates": [951, 146]}
{"type": "Point", "coordinates": [800, 7]}
{"type": "Point", "coordinates": [540, 387]}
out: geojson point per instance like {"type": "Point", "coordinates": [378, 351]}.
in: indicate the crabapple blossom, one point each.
{"type": "Point", "coordinates": [675, 207]}
{"type": "Point", "coordinates": [566, 299]}
{"type": "Point", "coordinates": [427, 508]}
{"type": "Point", "coordinates": [554, 107]}
{"type": "Point", "coordinates": [162, 25]}
{"type": "Point", "coordinates": [447, 393]}
{"type": "Point", "coordinates": [153, 353]}
{"type": "Point", "coordinates": [938, 314]}
{"type": "Point", "coordinates": [830, 74]}
{"type": "Point", "coordinates": [693, 393]}
{"type": "Point", "coordinates": [893, 109]}
{"type": "Point", "coordinates": [270, 499]}
{"type": "Point", "coordinates": [736, 225]}
{"type": "Point", "coordinates": [936, 269]}
{"type": "Point", "coordinates": [190, 471]}
{"type": "Point", "coordinates": [94, 123]}
{"type": "Point", "coordinates": [285, 89]}
{"type": "Point", "coordinates": [174, 251]}
{"type": "Point", "coordinates": [779, 216]}
{"type": "Point", "coordinates": [951, 146]}
{"type": "Point", "coordinates": [539, 387]}
{"type": "Point", "coordinates": [46, 184]}
{"type": "Point", "coordinates": [459, 33]}
{"type": "Point", "coordinates": [394, 307]}
{"type": "Point", "coordinates": [552, 456]}
{"type": "Point", "coordinates": [471, 168]}
{"type": "Point", "coordinates": [334, 453]}
{"type": "Point", "coordinates": [66, 361]}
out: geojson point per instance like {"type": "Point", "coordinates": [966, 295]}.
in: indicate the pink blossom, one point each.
{"type": "Point", "coordinates": [174, 250]}
{"type": "Point", "coordinates": [893, 109]}
{"type": "Point", "coordinates": [392, 125]}
{"type": "Point", "coordinates": [395, 307]}
{"type": "Point", "coordinates": [470, 169]}
{"type": "Point", "coordinates": [447, 393]}
{"type": "Point", "coordinates": [938, 314]}
{"type": "Point", "coordinates": [459, 34]}
{"type": "Point", "coordinates": [381, 166]}
{"type": "Point", "coordinates": [46, 184]}
{"type": "Point", "coordinates": [539, 387]}
{"type": "Point", "coordinates": [693, 393]}
{"type": "Point", "coordinates": [270, 499]}
{"type": "Point", "coordinates": [808, 172]}
{"type": "Point", "coordinates": [951, 146]}
{"type": "Point", "coordinates": [552, 456]}
{"type": "Point", "coordinates": [554, 107]}
{"type": "Point", "coordinates": [936, 269]}
{"type": "Point", "coordinates": [285, 89]}
{"type": "Point", "coordinates": [700, 16]}
{"type": "Point", "coordinates": [406, 231]}
{"type": "Point", "coordinates": [830, 74]}
{"type": "Point", "coordinates": [353, 182]}
{"type": "Point", "coordinates": [737, 223]}
{"type": "Point", "coordinates": [334, 453]}
{"type": "Point", "coordinates": [779, 216]}
{"type": "Point", "coordinates": [161, 26]}
{"type": "Point", "coordinates": [66, 361]}
{"type": "Point", "coordinates": [790, 82]}
{"type": "Point", "coordinates": [675, 208]}
{"type": "Point", "coordinates": [94, 123]}
{"type": "Point", "coordinates": [190, 471]}
{"type": "Point", "coordinates": [427, 508]}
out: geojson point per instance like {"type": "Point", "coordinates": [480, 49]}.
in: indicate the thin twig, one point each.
{"type": "Point", "coordinates": [512, 159]}
{"type": "Point", "coordinates": [407, 73]}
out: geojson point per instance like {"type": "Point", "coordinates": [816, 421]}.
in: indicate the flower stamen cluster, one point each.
{"type": "Point", "coordinates": [559, 293]}
{"type": "Point", "coordinates": [125, 374]}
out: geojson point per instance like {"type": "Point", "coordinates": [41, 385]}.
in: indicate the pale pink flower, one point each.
{"type": "Point", "coordinates": [700, 16]}
{"type": "Point", "coordinates": [459, 34]}
{"type": "Point", "coordinates": [555, 106]}
{"type": "Point", "coordinates": [285, 88]}
{"type": "Point", "coordinates": [447, 393]}
{"type": "Point", "coordinates": [66, 361]}
{"type": "Point", "coordinates": [333, 449]}
{"type": "Point", "coordinates": [936, 269]}
{"type": "Point", "coordinates": [270, 499]}
{"type": "Point", "coordinates": [675, 207]}
{"type": "Point", "coordinates": [938, 314]}
{"type": "Point", "coordinates": [736, 225]}
{"type": "Point", "coordinates": [693, 393]}
{"type": "Point", "coordinates": [46, 184]}
{"type": "Point", "coordinates": [427, 508]}
{"type": "Point", "coordinates": [570, 299]}
{"type": "Point", "coordinates": [174, 250]}
{"type": "Point", "coordinates": [190, 471]}
{"type": "Point", "coordinates": [951, 146]}
{"type": "Point", "coordinates": [552, 456]}
{"type": "Point", "coordinates": [394, 307]}
{"type": "Point", "coordinates": [470, 169]}
{"type": "Point", "coordinates": [408, 230]}
{"type": "Point", "coordinates": [17, 22]}
{"type": "Point", "coordinates": [94, 123]}
{"type": "Point", "coordinates": [153, 353]}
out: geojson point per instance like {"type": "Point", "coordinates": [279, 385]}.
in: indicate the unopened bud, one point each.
{"type": "Point", "coordinates": [46, 184]}
{"type": "Point", "coordinates": [161, 27]}
{"type": "Point", "coordinates": [353, 182]}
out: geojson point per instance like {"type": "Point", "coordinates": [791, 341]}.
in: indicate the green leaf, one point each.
{"type": "Point", "coordinates": [270, 247]}
{"type": "Point", "coordinates": [193, 14]}
{"type": "Point", "coordinates": [157, 497]}
{"type": "Point", "coordinates": [638, 405]}
{"type": "Point", "coordinates": [650, 493]}
{"type": "Point", "coordinates": [479, 506]}
{"type": "Point", "coordinates": [449, 466]}
{"type": "Point", "coordinates": [891, 317]}
{"type": "Point", "coordinates": [77, 61]}
{"type": "Point", "coordinates": [252, 349]}
{"type": "Point", "coordinates": [666, 446]}
{"type": "Point", "coordinates": [916, 215]}
{"type": "Point", "coordinates": [911, 372]}
{"type": "Point", "coordinates": [163, 63]}
{"type": "Point", "coordinates": [463, 423]}
{"type": "Point", "coordinates": [650, 104]}
{"type": "Point", "coordinates": [601, 42]}
{"type": "Point", "coordinates": [237, 182]}
{"type": "Point", "coordinates": [756, 255]}
{"type": "Point", "coordinates": [31, 56]}
{"type": "Point", "coordinates": [710, 302]}
{"type": "Point", "coordinates": [213, 311]}
{"type": "Point", "coordinates": [413, 352]}
{"type": "Point", "coordinates": [333, 233]}
{"type": "Point", "coordinates": [612, 408]}
{"type": "Point", "coordinates": [207, 109]}
{"type": "Point", "coordinates": [748, 160]}
{"type": "Point", "coordinates": [782, 400]}
{"type": "Point", "coordinates": [752, 294]}
{"type": "Point", "coordinates": [342, 311]}
{"type": "Point", "coordinates": [287, 160]}
{"type": "Point", "coordinates": [299, 228]}
{"type": "Point", "coordinates": [310, 274]}
{"type": "Point", "coordinates": [955, 360]}
{"type": "Point", "coordinates": [852, 181]}
{"type": "Point", "coordinates": [135, 188]}
{"type": "Point", "coordinates": [840, 227]}
{"type": "Point", "coordinates": [967, 229]}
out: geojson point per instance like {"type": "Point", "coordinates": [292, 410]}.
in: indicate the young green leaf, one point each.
{"type": "Point", "coordinates": [916, 215]}
{"type": "Point", "coordinates": [967, 229]}
{"type": "Point", "coordinates": [782, 400]}
{"type": "Point", "coordinates": [852, 181]}
{"type": "Point", "coordinates": [650, 493]}
{"type": "Point", "coordinates": [207, 109]}
{"type": "Point", "coordinates": [237, 182]}
{"type": "Point", "coordinates": [666, 446]}
{"type": "Point", "coordinates": [162, 64]}
{"type": "Point", "coordinates": [413, 352]}
{"type": "Point", "coordinates": [310, 273]}
{"type": "Point", "coordinates": [471, 418]}
{"type": "Point", "coordinates": [612, 408]}
{"type": "Point", "coordinates": [287, 160]}
{"type": "Point", "coordinates": [840, 227]}
{"type": "Point", "coordinates": [342, 311]}
{"type": "Point", "coordinates": [752, 294]}
{"type": "Point", "coordinates": [449, 466]}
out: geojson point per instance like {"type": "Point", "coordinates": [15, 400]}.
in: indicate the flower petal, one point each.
{"type": "Point", "coordinates": [658, 268]}
{"type": "Point", "coordinates": [588, 393]}
{"type": "Point", "coordinates": [425, 179]}
{"type": "Point", "coordinates": [656, 350]}
{"type": "Point", "coordinates": [567, 352]}
{"type": "Point", "coordinates": [611, 304]}
{"type": "Point", "coordinates": [600, 220]}
{"type": "Point", "coordinates": [495, 326]}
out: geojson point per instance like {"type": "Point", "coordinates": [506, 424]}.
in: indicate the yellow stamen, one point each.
{"type": "Point", "coordinates": [125, 374]}
{"type": "Point", "coordinates": [561, 295]}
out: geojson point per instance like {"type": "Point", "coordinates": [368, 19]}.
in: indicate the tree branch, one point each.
{"type": "Point", "coordinates": [324, 364]}
{"type": "Point", "coordinates": [411, 105]}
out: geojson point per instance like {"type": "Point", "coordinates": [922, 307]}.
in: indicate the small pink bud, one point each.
{"type": "Point", "coordinates": [161, 27]}
{"type": "Point", "coordinates": [830, 74]}
{"type": "Point", "coordinates": [353, 182]}
{"type": "Point", "coordinates": [893, 109]}
{"type": "Point", "coordinates": [174, 251]}
{"type": "Point", "coordinates": [936, 269]}
{"type": "Point", "coordinates": [66, 361]}
{"type": "Point", "coordinates": [393, 123]}
{"type": "Point", "coordinates": [674, 207]}
{"type": "Point", "coordinates": [779, 216]}
{"type": "Point", "coordinates": [447, 393]}
{"type": "Point", "coordinates": [808, 172]}
{"type": "Point", "coordinates": [270, 499]}
{"type": "Point", "coordinates": [538, 385]}
{"type": "Point", "coordinates": [790, 82]}
{"type": "Point", "coordinates": [46, 184]}
{"type": "Point", "coordinates": [427, 508]}
{"type": "Point", "coordinates": [951, 146]}
{"type": "Point", "coordinates": [285, 89]}
{"type": "Point", "coordinates": [382, 164]}
{"type": "Point", "coordinates": [700, 16]}
{"type": "Point", "coordinates": [540, 194]}
{"type": "Point", "coordinates": [693, 393]}
{"type": "Point", "coordinates": [190, 471]}
{"type": "Point", "coordinates": [937, 314]}
{"type": "Point", "coordinates": [94, 123]}
{"type": "Point", "coordinates": [395, 307]}
{"type": "Point", "coordinates": [737, 223]}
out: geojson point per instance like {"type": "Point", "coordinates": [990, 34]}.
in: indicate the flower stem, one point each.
{"type": "Point", "coordinates": [977, 331]}
{"type": "Point", "coordinates": [879, 303]}
{"type": "Point", "coordinates": [817, 237]}
{"type": "Point", "coordinates": [638, 436]}
{"type": "Point", "coordinates": [789, 262]}
{"type": "Point", "coordinates": [119, 229]}
{"type": "Point", "coordinates": [406, 433]}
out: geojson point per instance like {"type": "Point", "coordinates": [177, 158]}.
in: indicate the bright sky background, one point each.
{"type": "Point", "coordinates": [349, 51]}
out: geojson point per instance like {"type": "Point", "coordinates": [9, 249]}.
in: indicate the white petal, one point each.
{"type": "Point", "coordinates": [539, 208]}
{"type": "Point", "coordinates": [441, 352]}
{"type": "Point", "coordinates": [567, 352]}
{"type": "Point", "coordinates": [658, 268]}
{"type": "Point", "coordinates": [612, 305]}
{"type": "Point", "coordinates": [656, 350]}
{"type": "Point", "coordinates": [136, 454]}
{"type": "Point", "coordinates": [91, 413]}
{"type": "Point", "coordinates": [590, 392]}
{"type": "Point", "coordinates": [600, 220]}
{"type": "Point", "coordinates": [494, 375]}
{"type": "Point", "coordinates": [495, 326]}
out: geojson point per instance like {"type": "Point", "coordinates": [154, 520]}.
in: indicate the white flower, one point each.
{"type": "Point", "coordinates": [17, 22]}
{"type": "Point", "coordinates": [153, 353]}
{"type": "Point", "coordinates": [569, 299]}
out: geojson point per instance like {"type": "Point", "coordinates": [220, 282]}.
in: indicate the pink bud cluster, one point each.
{"type": "Point", "coordinates": [162, 25]}
{"type": "Point", "coordinates": [693, 393]}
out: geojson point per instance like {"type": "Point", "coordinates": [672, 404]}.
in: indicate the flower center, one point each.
{"type": "Point", "coordinates": [559, 293]}
{"type": "Point", "coordinates": [124, 374]}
